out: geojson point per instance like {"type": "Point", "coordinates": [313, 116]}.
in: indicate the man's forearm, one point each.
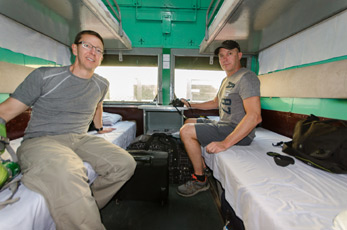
{"type": "Point", "coordinates": [98, 117]}
{"type": "Point", "coordinates": [204, 105]}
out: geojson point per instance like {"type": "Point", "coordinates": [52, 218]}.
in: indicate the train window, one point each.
{"type": "Point", "coordinates": [197, 85]}
{"type": "Point", "coordinates": [196, 79]}
{"type": "Point", "coordinates": [134, 79]}
{"type": "Point", "coordinates": [130, 83]}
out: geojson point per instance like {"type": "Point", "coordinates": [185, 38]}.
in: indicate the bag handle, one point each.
{"type": "Point", "coordinates": [13, 186]}
{"type": "Point", "coordinates": [313, 118]}
{"type": "Point", "coordinates": [6, 142]}
{"type": "Point", "coordinates": [344, 123]}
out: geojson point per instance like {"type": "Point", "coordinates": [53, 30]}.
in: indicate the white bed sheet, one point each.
{"type": "Point", "coordinates": [267, 196]}
{"type": "Point", "coordinates": [124, 134]}
{"type": "Point", "coordinates": [31, 212]}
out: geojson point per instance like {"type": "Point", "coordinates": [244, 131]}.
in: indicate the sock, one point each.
{"type": "Point", "coordinates": [200, 177]}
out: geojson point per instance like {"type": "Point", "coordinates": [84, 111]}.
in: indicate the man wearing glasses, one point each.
{"type": "Point", "coordinates": [64, 101]}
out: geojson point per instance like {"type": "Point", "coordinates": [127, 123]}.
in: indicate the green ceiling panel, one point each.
{"type": "Point", "coordinates": [166, 24]}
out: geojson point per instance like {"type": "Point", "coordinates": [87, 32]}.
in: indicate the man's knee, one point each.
{"type": "Point", "coordinates": [190, 120]}
{"type": "Point", "coordinates": [188, 131]}
{"type": "Point", "coordinates": [130, 165]}
{"type": "Point", "coordinates": [125, 165]}
{"type": "Point", "coordinates": [184, 130]}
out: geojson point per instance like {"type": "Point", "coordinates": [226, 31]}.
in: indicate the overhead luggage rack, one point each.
{"type": "Point", "coordinates": [257, 25]}
{"type": "Point", "coordinates": [61, 20]}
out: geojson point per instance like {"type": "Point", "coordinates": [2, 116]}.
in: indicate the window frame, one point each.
{"type": "Point", "coordinates": [137, 52]}
{"type": "Point", "coordinates": [158, 52]}
{"type": "Point", "coordinates": [210, 59]}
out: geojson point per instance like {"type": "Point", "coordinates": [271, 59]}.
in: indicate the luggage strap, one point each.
{"type": "Point", "coordinates": [6, 142]}
{"type": "Point", "coordinates": [13, 186]}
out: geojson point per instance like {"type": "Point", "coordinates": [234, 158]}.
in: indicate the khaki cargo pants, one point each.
{"type": "Point", "coordinates": [53, 167]}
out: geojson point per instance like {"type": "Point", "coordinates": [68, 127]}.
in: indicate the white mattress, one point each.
{"type": "Point", "coordinates": [31, 212]}
{"type": "Point", "coordinates": [124, 134]}
{"type": "Point", "coordinates": [267, 196]}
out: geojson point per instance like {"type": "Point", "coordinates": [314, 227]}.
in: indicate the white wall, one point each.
{"type": "Point", "coordinates": [20, 39]}
{"type": "Point", "coordinates": [323, 41]}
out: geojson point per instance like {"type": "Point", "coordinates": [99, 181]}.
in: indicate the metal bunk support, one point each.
{"type": "Point", "coordinates": [218, 21]}
{"type": "Point", "coordinates": [209, 18]}
{"type": "Point", "coordinates": [117, 14]}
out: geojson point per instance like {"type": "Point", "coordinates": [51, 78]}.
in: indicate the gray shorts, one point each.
{"type": "Point", "coordinates": [208, 131]}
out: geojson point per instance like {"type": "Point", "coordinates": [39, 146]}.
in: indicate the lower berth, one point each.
{"type": "Point", "coordinates": [31, 212]}
{"type": "Point", "coordinates": [267, 196]}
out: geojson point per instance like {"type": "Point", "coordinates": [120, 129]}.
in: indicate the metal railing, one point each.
{"type": "Point", "coordinates": [209, 18]}
{"type": "Point", "coordinates": [117, 14]}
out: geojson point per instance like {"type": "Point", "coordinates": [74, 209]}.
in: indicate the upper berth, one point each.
{"type": "Point", "coordinates": [257, 25]}
{"type": "Point", "coordinates": [34, 27]}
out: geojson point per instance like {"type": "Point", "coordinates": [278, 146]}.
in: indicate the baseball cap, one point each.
{"type": "Point", "coordinates": [228, 44]}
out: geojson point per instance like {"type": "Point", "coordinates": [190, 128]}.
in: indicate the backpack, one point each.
{"type": "Point", "coordinates": [321, 144]}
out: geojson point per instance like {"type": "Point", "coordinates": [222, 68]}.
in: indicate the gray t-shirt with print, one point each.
{"type": "Point", "coordinates": [233, 90]}
{"type": "Point", "coordinates": [61, 102]}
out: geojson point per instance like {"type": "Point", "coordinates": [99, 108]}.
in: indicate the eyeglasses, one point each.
{"type": "Point", "coordinates": [89, 47]}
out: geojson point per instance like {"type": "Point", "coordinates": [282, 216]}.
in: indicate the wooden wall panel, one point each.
{"type": "Point", "coordinates": [282, 122]}
{"type": "Point", "coordinates": [194, 113]}
{"type": "Point", "coordinates": [16, 127]}
{"type": "Point", "coordinates": [129, 114]}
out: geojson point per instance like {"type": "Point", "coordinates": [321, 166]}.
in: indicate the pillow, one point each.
{"type": "Point", "coordinates": [110, 118]}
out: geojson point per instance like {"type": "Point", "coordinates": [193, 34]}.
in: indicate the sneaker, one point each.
{"type": "Point", "coordinates": [192, 187]}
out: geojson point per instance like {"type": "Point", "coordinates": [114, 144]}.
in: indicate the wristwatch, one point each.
{"type": "Point", "coordinates": [99, 129]}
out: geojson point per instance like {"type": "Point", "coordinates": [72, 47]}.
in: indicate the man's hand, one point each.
{"type": "Point", "coordinates": [3, 135]}
{"type": "Point", "coordinates": [216, 147]}
{"type": "Point", "coordinates": [106, 130]}
{"type": "Point", "coordinates": [185, 102]}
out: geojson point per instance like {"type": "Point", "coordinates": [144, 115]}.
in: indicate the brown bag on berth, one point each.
{"type": "Point", "coordinates": [321, 144]}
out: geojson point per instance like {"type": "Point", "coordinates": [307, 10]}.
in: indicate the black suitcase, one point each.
{"type": "Point", "coordinates": [150, 181]}
{"type": "Point", "coordinates": [180, 167]}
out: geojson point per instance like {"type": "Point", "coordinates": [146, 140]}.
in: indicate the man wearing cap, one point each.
{"type": "Point", "coordinates": [238, 101]}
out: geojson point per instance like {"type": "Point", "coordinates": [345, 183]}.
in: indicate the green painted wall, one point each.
{"type": "Point", "coordinates": [9, 56]}
{"type": "Point", "coordinates": [323, 107]}
{"type": "Point", "coordinates": [3, 96]}
{"type": "Point", "coordinates": [166, 24]}
{"type": "Point", "coordinates": [166, 81]}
